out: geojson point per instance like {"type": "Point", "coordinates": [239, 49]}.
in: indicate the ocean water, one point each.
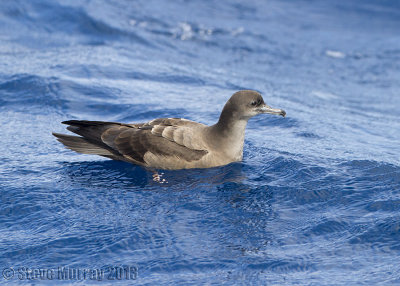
{"type": "Point", "coordinates": [316, 200]}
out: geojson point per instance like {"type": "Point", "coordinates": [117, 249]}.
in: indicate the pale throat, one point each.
{"type": "Point", "coordinates": [234, 139]}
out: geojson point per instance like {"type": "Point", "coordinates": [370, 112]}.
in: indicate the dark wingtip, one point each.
{"type": "Point", "coordinates": [71, 122]}
{"type": "Point", "coordinates": [88, 122]}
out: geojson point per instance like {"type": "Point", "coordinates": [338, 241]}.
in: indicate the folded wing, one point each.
{"type": "Point", "coordinates": [143, 144]}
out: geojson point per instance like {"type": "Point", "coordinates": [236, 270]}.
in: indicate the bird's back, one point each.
{"type": "Point", "coordinates": [166, 143]}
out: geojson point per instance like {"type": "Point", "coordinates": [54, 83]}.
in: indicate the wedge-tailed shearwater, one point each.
{"type": "Point", "coordinates": [171, 143]}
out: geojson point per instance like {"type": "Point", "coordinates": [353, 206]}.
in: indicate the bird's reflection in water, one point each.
{"type": "Point", "coordinates": [223, 201]}
{"type": "Point", "coordinates": [193, 178]}
{"type": "Point", "coordinates": [108, 174]}
{"type": "Point", "coordinates": [115, 174]}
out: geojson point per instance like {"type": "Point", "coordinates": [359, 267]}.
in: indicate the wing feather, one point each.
{"type": "Point", "coordinates": [135, 143]}
{"type": "Point", "coordinates": [166, 137]}
{"type": "Point", "coordinates": [158, 139]}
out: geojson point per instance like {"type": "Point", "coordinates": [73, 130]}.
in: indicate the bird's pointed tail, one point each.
{"type": "Point", "coordinates": [82, 145]}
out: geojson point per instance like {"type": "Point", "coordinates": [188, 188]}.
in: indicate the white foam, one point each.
{"type": "Point", "coordinates": [323, 95]}
{"type": "Point", "coordinates": [335, 54]}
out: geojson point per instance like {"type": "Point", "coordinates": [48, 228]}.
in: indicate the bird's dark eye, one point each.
{"type": "Point", "coordinates": [253, 103]}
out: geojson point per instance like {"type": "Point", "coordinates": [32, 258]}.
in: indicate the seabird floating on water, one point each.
{"type": "Point", "coordinates": [171, 143]}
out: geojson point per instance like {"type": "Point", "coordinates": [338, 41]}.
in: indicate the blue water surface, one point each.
{"type": "Point", "coordinates": [316, 200]}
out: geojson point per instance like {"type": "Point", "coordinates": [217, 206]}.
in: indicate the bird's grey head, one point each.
{"type": "Point", "coordinates": [245, 104]}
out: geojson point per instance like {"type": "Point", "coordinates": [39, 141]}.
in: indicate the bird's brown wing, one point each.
{"type": "Point", "coordinates": [160, 138]}
{"type": "Point", "coordinates": [165, 137]}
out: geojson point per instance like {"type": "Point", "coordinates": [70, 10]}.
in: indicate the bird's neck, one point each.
{"type": "Point", "coordinates": [229, 133]}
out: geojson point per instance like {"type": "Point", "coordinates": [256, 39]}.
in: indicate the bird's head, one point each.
{"type": "Point", "coordinates": [245, 104]}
